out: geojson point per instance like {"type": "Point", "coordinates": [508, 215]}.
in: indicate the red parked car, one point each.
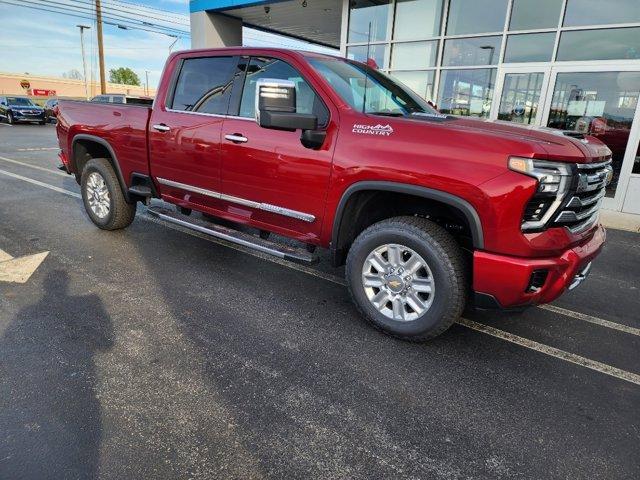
{"type": "Point", "coordinates": [428, 211]}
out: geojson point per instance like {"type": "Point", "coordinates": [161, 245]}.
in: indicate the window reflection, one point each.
{"type": "Point", "coordinates": [529, 15]}
{"type": "Point", "coordinates": [413, 55]}
{"type": "Point", "coordinates": [417, 19]}
{"type": "Point", "coordinates": [374, 58]}
{"type": "Point", "coordinates": [472, 51]}
{"type": "Point", "coordinates": [365, 12]}
{"type": "Point", "coordinates": [532, 47]}
{"type": "Point", "coordinates": [601, 12]}
{"type": "Point", "coordinates": [601, 104]}
{"type": "Point", "coordinates": [520, 97]}
{"type": "Point", "coordinates": [467, 92]}
{"type": "Point", "coordinates": [476, 16]}
{"type": "Point", "coordinates": [420, 82]}
{"type": "Point", "coordinates": [605, 44]}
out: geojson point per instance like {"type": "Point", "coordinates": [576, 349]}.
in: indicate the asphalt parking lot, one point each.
{"type": "Point", "coordinates": [155, 353]}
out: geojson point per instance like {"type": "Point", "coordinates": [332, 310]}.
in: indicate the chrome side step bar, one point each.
{"type": "Point", "coordinates": [285, 252]}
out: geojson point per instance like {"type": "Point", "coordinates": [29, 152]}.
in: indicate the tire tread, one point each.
{"type": "Point", "coordinates": [123, 212]}
{"type": "Point", "coordinates": [446, 246]}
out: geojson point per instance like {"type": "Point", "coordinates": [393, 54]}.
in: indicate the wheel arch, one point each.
{"type": "Point", "coordinates": [85, 147]}
{"type": "Point", "coordinates": [342, 235]}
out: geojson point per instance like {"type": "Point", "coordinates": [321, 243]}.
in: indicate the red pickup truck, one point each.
{"type": "Point", "coordinates": [428, 211]}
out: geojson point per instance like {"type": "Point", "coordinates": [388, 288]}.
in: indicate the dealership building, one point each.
{"type": "Point", "coordinates": [565, 64]}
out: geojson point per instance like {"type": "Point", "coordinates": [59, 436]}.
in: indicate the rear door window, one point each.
{"type": "Point", "coordinates": [204, 85]}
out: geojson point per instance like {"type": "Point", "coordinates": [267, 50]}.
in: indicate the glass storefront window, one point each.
{"type": "Point", "coordinates": [365, 12]}
{"type": "Point", "coordinates": [520, 97]}
{"type": "Point", "coordinates": [529, 15]}
{"type": "Point", "coordinates": [529, 47]}
{"type": "Point", "coordinates": [467, 92]}
{"type": "Point", "coordinates": [413, 55]}
{"type": "Point", "coordinates": [604, 44]}
{"type": "Point", "coordinates": [419, 82]}
{"type": "Point", "coordinates": [476, 16]}
{"type": "Point", "coordinates": [471, 51]}
{"type": "Point", "coordinates": [601, 12]}
{"type": "Point", "coordinates": [417, 19]}
{"type": "Point", "coordinates": [377, 54]}
{"type": "Point", "coordinates": [601, 104]}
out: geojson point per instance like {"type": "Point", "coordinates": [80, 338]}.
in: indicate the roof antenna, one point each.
{"type": "Point", "coordinates": [366, 74]}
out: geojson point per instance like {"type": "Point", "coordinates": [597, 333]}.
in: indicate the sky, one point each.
{"type": "Point", "coordinates": [45, 43]}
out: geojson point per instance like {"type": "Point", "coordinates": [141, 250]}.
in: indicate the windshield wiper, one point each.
{"type": "Point", "coordinates": [388, 114]}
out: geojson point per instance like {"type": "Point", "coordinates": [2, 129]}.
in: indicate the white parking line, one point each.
{"type": "Point", "coordinates": [552, 351]}
{"type": "Point", "coordinates": [6, 125]}
{"type": "Point", "coordinates": [36, 167]}
{"type": "Point", "coordinates": [41, 184]}
{"type": "Point", "coordinates": [591, 319]}
{"type": "Point", "coordinates": [503, 335]}
{"type": "Point", "coordinates": [37, 149]}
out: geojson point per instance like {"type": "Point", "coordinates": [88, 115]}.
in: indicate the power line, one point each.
{"type": "Point", "coordinates": [148, 13]}
{"type": "Point", "coordinates": [82, 13]}
{"type": "Point", "coordinates": [83, 7]}
{"type": "Point", "coordinates": [141, 6]}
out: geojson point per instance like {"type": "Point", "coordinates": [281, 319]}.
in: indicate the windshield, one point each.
{"type": "Point", "coordinates": [370, 91]}
{"type": "Point", "coordinates": [18, 101]}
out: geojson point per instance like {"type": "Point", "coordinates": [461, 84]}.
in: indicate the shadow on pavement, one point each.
{"type": "Point", "coordinates": [50, 418]}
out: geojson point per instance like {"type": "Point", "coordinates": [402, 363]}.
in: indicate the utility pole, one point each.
{"type": "Point", "coordinates": [84, 62]}
{"type": "Point", "coordinates": [103, 84]}
{"type": "Point", "coordinates": [146, 72]}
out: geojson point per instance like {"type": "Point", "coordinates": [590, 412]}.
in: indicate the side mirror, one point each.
{"type": "Point", "coordinates": [276, 106]}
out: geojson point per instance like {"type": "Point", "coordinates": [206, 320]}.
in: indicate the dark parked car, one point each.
{"type": "Point", "coordinates": [49, 113]}
{"type": "Point", "coordinates": [20, 109]}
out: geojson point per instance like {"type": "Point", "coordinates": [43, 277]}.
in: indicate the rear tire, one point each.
{"type": "Point", "coordinates": [407, 277]}
{"type": "Point", "coordinates": [103, 198]}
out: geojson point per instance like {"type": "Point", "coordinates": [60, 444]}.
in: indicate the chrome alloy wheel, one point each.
{"type": "Point", "coordinates": [398, 282]}
{"type": "Point", "coordinates": [98, 195]}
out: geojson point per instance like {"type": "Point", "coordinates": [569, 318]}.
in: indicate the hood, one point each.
{"type": "Point", "coordinates": [560, 145]}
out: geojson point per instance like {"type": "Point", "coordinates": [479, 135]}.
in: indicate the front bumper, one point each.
{"type": "Point", "coordinates": [27, 117]}
{"type": "Point", "coordinates": [511, 281]}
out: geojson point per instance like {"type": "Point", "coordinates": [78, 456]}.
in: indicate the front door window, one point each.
{"type": "Point", "coordinates": [601, 104]}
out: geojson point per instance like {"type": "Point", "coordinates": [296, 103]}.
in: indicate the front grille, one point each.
{"type": "Point", "coordinates": [582, 203]}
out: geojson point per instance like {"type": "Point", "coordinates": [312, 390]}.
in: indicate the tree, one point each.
{"type": "Point", "coordinates": [124, 75]}
{"type": "Point", "coordinates": [73, 74]}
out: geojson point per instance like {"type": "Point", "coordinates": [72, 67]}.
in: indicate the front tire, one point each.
{"type": "Point", "coordinates": [10, 119]}
{"type": "Point", "coordinates": [407, 277]}
{"type": "Point", "coordinates": [103, 198]}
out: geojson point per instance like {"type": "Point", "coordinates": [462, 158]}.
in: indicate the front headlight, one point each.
{"type": "Point", "coordinates": [554, 181]}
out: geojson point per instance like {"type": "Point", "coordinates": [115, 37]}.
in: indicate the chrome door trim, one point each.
{"type": "Point", "coordinates": [161, 128]}
{"type": "Point", "coordinates": [267, 207]}
{"type": "Point", "coordinates": [215, 115]}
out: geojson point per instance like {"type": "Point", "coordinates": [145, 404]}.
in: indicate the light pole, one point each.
{"type": "Point", "coordinates": [146, 72]}
{"type": "Point", "coordinates": [84, 62]}
{"type": "Point", "coordinates": [174, 42]}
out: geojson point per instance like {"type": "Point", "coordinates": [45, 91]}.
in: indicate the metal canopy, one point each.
{"type": "Point", "coordinates": [316, 21]}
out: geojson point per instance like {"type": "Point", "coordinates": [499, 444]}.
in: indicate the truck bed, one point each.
{"type": "Point", "coordinates": [122, 126]}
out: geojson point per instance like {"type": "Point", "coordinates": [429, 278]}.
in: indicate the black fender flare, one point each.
{"type": "Point", "coordinates": [470, 213]}
{"type": "Point", "coordinates": [114, 159]}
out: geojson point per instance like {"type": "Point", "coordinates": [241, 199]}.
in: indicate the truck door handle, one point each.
{"type": "Point", "coordinates": [236, 138]}
{"type": "Point", "coordinates": [161, 127]}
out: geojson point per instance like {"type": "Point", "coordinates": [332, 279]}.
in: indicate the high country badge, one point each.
{"type": "Point", "coordinates": [384, 130]}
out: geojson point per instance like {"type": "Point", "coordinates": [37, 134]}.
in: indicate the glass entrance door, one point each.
{"type": "Point", "coordinates": [602, 103]}
{"type": "Point", "coordinates": [521, 95]}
